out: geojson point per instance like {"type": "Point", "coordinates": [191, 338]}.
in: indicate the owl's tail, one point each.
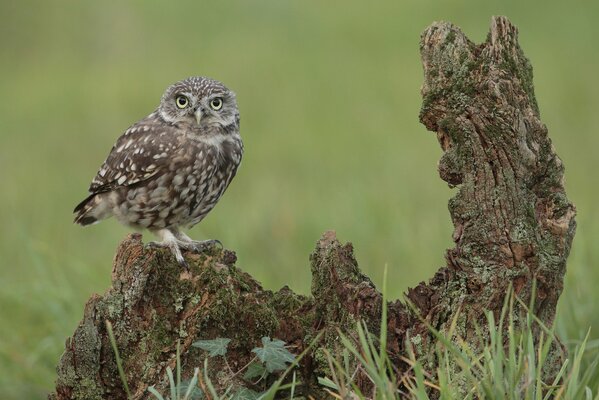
{"type": "Point", "coordinates": [94, 208]}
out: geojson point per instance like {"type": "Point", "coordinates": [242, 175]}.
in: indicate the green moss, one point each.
{"type": "Point", "coordinates": [88, 389]}
{"type": "Point", "coordinates": [285, 299]}
{"type": "Point", "coordinates": [417, 342]}
{"type": "Point", "coordinates": [429, 100]}
{"type": "Point", "coordinates": [450, 38]}
{"type": "Point", "coordinates": [519, 67]}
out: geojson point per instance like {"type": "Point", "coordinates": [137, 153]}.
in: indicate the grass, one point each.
{"type": "Point", "coordinates": [510, 363]}
{"type": "Point", "coordinates": [119, 363]}
{"type": "Point", "coordinates": [329, 98]}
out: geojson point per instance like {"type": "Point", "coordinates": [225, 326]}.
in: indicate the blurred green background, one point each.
{"type": "Point", "coordinates": [329, 99]}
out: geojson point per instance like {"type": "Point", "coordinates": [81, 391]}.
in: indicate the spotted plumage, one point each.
{"type": "Point", "coordinates": [169, 170]}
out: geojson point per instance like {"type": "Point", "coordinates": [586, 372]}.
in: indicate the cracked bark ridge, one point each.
{"type": "Point", "coordinates": [513, 225]}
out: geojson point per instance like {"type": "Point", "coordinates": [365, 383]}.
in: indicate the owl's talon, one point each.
{"type": "Point", "coordinates": [199, 246]}
{"type": "Point", "coordinates": [183, 263]}
{"type": "Point", "coordinates": [214, 243]}
{"type": "Point", "coordinates": [170, 243]}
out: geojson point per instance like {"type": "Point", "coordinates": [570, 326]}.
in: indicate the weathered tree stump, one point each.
{"type": "Point", "coordinates": [513, 226]}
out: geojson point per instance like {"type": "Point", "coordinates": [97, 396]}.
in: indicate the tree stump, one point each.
{"type": "Point", "coordinates": [513, 226]}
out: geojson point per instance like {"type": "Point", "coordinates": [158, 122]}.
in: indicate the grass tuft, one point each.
{"type": "Point", "coordinates": [117, 356]}
{"type": "Point", "coordinates": [511, 363]}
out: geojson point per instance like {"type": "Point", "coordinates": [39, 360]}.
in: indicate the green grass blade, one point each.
{"type": "Point", "coordinates": [156, 394]}
{"type": "Point", "coordinates": [208, 382]}
{"type": "Point", "coordinates": [178, 388]}
{"type": "Point", "coordinates": [171, 381]}
{"type": "Point", "coordinates": [192, 384]}
{"type": "Point", "coordinates": [119, 363]}
{"type": "Point", "coordinates": [292, 387]}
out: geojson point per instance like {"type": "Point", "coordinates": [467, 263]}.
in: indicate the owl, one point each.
{"type": "Point", "coordinates": [167, 171]}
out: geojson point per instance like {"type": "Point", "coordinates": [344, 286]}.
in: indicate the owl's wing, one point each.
{"type": "Point", "coordinates": [142, 152]}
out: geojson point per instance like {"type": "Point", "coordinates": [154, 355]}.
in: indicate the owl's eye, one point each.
{"type": "Point", "coordinates": [181, 101]}
{"type": "Point", "coordinates": [216, 103]}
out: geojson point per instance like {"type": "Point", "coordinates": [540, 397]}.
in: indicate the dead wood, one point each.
{"type": "Point", "coordinates": [513, 225]}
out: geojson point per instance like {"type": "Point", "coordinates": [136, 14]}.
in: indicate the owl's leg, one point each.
{"type": "Point", "coordinates": [172, 243]}
{"type": "Point", "coordinates": [197, 246]}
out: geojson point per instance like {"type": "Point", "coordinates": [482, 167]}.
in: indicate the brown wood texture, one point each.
{"type": "Point", "coordinates": [513, 226]}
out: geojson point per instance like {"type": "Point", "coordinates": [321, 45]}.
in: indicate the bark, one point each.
{"type": "Point", "coordinates": [513, 226]}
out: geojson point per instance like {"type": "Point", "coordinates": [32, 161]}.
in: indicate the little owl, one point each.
{"type": "Point", "coordinates": [169, 170]}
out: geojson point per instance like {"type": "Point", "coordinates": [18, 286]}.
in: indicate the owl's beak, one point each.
{"type": "Point", "coordinates": [198, 114]}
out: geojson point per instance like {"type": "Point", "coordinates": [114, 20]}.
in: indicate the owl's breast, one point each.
{"type": "Point", "coordinates": [215, 165]}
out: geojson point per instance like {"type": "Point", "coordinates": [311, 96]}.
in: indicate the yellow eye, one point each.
{"type": "Point", "coordinates": [216, 103]}
{"type": "Point", "coordinates": [181, 101]}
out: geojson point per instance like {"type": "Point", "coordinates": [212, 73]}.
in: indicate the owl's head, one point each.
{"type": "Point", "coordinates": [201, 103]}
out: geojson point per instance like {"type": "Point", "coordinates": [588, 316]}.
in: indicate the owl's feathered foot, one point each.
{"type": "Point", "coordinates": [169, 241]}
{"type": "Point", "coordinates": [176, 241]}
{"type": "Point", "coordinates": [196, 246]}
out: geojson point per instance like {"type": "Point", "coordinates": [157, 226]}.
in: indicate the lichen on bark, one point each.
{"type": "Point", "coordinates": [513, 226]}
{"type": "Point", "coordinates": [513, 223]}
